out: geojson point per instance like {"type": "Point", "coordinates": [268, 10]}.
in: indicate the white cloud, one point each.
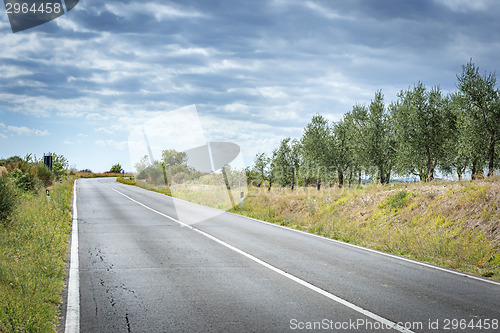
{"type": "Point", "coordinates": [3, 136]}
{"type": "Point", "coordinates": [25, 131]}
{"type": "Point", "coordinates": [328, 13]}
{"type": "Point", "coordinates": [467, 5]}
{"type": "Point", "coordinates": [275, 92]}
{"type": "Point", "coordinates": [13, 71]}
{"type": "Point", "coordinates": [103, 130]}
{"type": "Point", "coordinates": [159, 11]}
{"type": "Point", "coordinates": [120, 145]}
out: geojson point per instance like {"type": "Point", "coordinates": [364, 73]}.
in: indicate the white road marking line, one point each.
{"type": "Point", "coordinates": [73, 304]}
{"type": "Point", "coordinates": [384, 321]}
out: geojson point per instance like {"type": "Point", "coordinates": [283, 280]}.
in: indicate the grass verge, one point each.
{"type": "Point", "coordinates": [140, 183]}
{"type": "Point", "coordinates": [33, 248]}
{"type": "Point", "coordinates": [450, 224]}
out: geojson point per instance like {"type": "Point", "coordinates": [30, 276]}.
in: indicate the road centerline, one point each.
{"type": "Point", "coordinates": [388, 323]}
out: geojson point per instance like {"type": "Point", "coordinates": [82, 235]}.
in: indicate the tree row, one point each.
{"type": "Point", "coordinates": [422, 133]}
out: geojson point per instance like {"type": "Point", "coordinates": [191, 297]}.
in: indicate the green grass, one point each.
{"type": "Point", "coordinates": [33, 247]}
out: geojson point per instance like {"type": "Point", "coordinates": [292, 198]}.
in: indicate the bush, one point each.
{"type": "Point", "coordinates": [45, 176]}
{"type": "Point", "coordinates": [7, 199]}
{"type": "Point", "coordinates": [153, 174]}
{"type": "Point", "coordinates": [23, 180]}
{"type": "Point", "coordinates": [117, 168]}
{"type": "Point", "coordinates": [130, 181]}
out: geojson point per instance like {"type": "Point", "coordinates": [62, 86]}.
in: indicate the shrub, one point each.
{"type": "Point", "coordinates": [45, 176]}
{"type": "Point", "coordinates": [116, 168]}
{"type": "Point", "coordinates": [23, 180]}
{"type": "Point", "coordinates": [130, 181]}
{"type": "Point", "coordinates": [398, 200]}
{"type": "Point", "coordinates": [7, 199]}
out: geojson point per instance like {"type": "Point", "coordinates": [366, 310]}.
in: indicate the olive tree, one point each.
{"type": "Point", "coordinates": [483, 99]}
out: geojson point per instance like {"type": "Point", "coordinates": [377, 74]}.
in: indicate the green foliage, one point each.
{"type": "Point", "coordinates": [398, 200]}
{"type": "Point", "coordinates": [142, 164]}
{"type": "Point", "coordinates": [285, 162]}
{"type": "Point", "coordinates": [44, 175]}
{"type": "Point", "coordinates": [483, 104]}
{"type": "Point", "coordinates": [25, 181]}
{"type": "Point", "coordinates": [7, 199]}
{"type": "Point", "coordinates": [172, 157]}
{"type": "Point", "coordinates": [262, 168]}
{"type": "Point", "coordinates": [420, 120]}
{"type": "Point", "coordinates": [380, 139]}
{"type": "Point", "coordinates": [341, 153]}
{"type": "Point", "coordinates": [172, 168]}
{"type": "Point", "coordinates": [419, 134]}
{"type": "Point", "coordinates": [152, 174]}
{"type": "Point", "coordinates": [33, 248]}
{"type": "Point", "coordinates": [116, 168]}
{"type": "Point", "coordinates": [13, 160]}
{"type": "Point", "coordinates": [126, 181]}
{"type": "Point", "coordinates": [316, 149]}
{"type": "Point", "coordinates": [60, 165]}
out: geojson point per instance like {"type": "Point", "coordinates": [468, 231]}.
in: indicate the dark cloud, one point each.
{"type": "Point", "coordinates": [258, 64]}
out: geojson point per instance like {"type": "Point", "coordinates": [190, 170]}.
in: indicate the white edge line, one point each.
{"type": "Point", "coordinates": [73, 304]}
{"type": "Point", "coordinates": [386, 322]}
{"type": "Point", "coordinates": [359, 247]}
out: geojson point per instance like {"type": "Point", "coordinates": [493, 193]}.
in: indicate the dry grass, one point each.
{"type": "Point", "coordinates": [452, 224]}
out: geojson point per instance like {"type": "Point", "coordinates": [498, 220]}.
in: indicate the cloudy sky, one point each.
{"type": "Point", "coordinates": [256, 71]}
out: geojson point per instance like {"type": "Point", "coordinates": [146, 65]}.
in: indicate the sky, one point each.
{"type": "Point", "coordinates": [254, 71]}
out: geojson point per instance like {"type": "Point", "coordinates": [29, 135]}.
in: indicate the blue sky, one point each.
{"type": "Point", "coordinates": [257, 71]}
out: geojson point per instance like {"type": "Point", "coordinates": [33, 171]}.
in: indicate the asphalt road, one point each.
{"type": "Point", "coordinates": [150, 263]}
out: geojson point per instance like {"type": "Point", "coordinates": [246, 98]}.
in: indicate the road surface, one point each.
{"type": "Point", "coordinates": [147, 265]}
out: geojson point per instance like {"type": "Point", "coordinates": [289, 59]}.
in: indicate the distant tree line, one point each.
{"type": "Point", "coordinates": [422, 132]}
{"type": "Point", "coordinates": [171, 168]}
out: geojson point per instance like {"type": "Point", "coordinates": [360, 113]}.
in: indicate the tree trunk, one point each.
{"type": "Point", "coordinates": [474, 169]}
{"type": "Point", "coordinates": [381, 174]}
{"type": "Point", "coordinates": [430, 169]}
{"type": "Point", "coordinates": [318, 185]}
{"type": "Point", "coordinates": [341, 178]}
{"type": "Point", "coordinates": [228, 186]}
{"type": "Point", "coordinates": [359, 178]}
{"type": "Point", "coordinates": [491, 153]}
{"type": "Point", "coordinates": [388, 177]}
{"type": "Point", "coordinates": [459, 173]}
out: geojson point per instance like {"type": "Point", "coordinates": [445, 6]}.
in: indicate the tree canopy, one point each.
{"type": "Point", "coordinates": [419, 134]}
